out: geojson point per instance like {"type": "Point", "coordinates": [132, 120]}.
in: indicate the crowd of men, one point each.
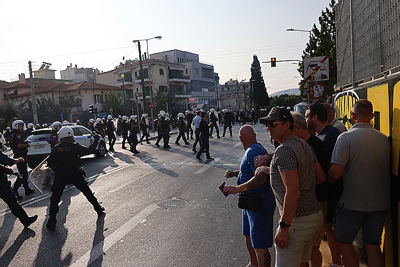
{"type": "Point", "coordinates": [323, 179]}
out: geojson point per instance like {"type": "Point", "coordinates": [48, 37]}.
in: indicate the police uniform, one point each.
{"type": "Point", "coordinates": [20, 150]}
{"type": "Point", "coordinates": [164, 127]}
{"type": "Point", "coordinates": [204, 144]}
{"type": "Point", "coordinates": [159, 133]}
{"type": "Point", "coordinates": [91, 126]}
{"type": "Point", "coordinates": [181, 128]}
{"type": "Point", "coordinates": [144, 128]}
{"type": "Point", "coordinates": [228, 119]}
{"type": "Point", "coordinates": [213, 120]}
{"type": "Point", "coordinates": [8, 195]}
{"type": "Point", "coordinates": [100, 129]}
{"type": "Point", "coordinates": [133, 131]}
{"type": "Point", "coordinates": [65, 161]}
{"type": "Point", "coordinates": [189, 118]}
{"type": "Point", "coordinates": [110, 134]}
{"type": "Point", "coordinates": [124, 132]}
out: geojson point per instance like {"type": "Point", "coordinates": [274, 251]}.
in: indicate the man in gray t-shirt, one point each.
{"type": "Point", "coordinates": [362, 157]}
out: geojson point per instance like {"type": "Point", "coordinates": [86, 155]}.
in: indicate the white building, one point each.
{"type": "Point", "coordinates": [78, 75]}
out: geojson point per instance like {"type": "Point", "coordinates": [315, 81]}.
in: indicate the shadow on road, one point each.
{"type": "Point", "coordinates": [6, 229]}
{"type": "Point", "coordinates": [146, 158]}
{"type": "Point", "coordinates": [7, 257]}
{"type": "Point", "coordinates": [96, 254]}
{"type": "Point", "coordinates": [50, 247]}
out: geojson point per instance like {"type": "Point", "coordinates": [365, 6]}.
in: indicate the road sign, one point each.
{"type": "Point", "coordinates": [317, 90]}
{"type": "Point", "coordinates": [151, 105]}
{"type": "Point", "coordinates": [316, 69]}
{"type": "Point", "coordinates": [101, 115]}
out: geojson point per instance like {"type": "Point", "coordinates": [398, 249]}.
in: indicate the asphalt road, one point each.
{"type": "Point", "coordinates": [163, 208]}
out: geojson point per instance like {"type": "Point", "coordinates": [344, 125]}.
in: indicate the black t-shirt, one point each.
{"type": "Point", "coordinates": [321, 151]}
{"type": "Point", "coordinates": [329, 136]}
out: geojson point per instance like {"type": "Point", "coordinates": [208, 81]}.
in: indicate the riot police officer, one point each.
{"type": "Point", "coordinates": [189, 118]}
{"type": "Point", "coordinates": [8, 195]}
{"type": "Point", "coordinates": [20, 149]}
{"type": "Point", "coordinates": [164, 128]}
{"type": "Point", "coordinates": [228, 120]}
{"type": "Point", "coordinates": [98, 127]}
{"type": "Point", "coordinates": [214, 122]}
{"type": "Point", "coordinates": [110, 132]}
{"type": "Point", "coordinates": [91, 124]}
{"type": "Point", "coordinates": [204, 135]}
{"type": "Point", "coordinates": [182, 129]}
{"type": "Point", "coordinates": [144, 127]}
{"type": "Point", "coordinates": [55, 127]}
{"type": "Point", "coordinates": [29, 129]}
{"type": "Point", "coordinates": [65, 161]}
{"type": "Point", "coordinates": [119, 125]}
{"type": "Point", "coordinates": [124, 130]}
{"type": "Point", "coordinates": [133, 131]}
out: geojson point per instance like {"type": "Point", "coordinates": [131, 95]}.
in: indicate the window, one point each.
{"type": "Point", "coordinates": [98, 99]}
{"type": "Point", "coordinates": [85, 131]}
{"type": "Point", "coordinates": [163, 88]}
{"type": "Point", "coordinates": [186, 71]}
{"type": "Point", "coordinates": [161, 71]}
{"type": "Point", "coordinates": [76, 132]}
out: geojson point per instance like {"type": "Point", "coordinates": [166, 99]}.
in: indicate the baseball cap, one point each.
{"type": "Point", "coordinates": [277, 113]}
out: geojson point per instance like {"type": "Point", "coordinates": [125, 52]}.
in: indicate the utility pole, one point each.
{"type": "Point", "coordinates": [141, 77]}
{"type": "Point", "coordinates": [35, 116]}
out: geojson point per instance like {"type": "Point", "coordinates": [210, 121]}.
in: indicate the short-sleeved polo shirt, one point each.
{"type": "Point", "coordinates": [365, 155]}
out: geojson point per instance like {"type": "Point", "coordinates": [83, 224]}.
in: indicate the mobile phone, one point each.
{"type": "Point", "coordinates": [221, 187]}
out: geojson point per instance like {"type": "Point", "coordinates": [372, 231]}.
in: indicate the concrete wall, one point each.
{"type": "Point", "coordinates": [108, 78]}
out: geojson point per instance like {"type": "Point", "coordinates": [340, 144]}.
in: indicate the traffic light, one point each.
{"type": "Point", "coordinates": [92, 110]}
{"type": "Point", "coordinates": [273, 62]}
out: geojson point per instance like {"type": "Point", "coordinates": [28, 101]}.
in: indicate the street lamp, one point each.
{"type": "Point", "coordinates": [298, 30]}
{"type": "Point", "coordinates": [148, 69]}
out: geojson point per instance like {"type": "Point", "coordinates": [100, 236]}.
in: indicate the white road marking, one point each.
{"type": "Point", "coordinates": [134, 179]}
{"type": "Point", "coordinates": [115, 237]}
{"type": "Point", "coordinates": [205, 167]}
{"type": "Point", "coordinates": [238, 144]}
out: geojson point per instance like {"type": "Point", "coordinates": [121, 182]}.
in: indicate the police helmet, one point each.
{"type": "Point", "coordinates": [180, 115]}
{"type": "Point", "coordinates": [18, 125]}
{"type": "Point", "coordinates": [37, 126]}
{"type": "Point", "coordinates": [92, 121]}
{"type": "Point", "coordinates": [212, 110]}
{"type": "Point", "coordinates": [64, 132]}
{"type": "Point", "coordinates": [98, 120]}
{"type": "Point", "coordinates": [124, 118]}
{"type": "Point", "coordinates": [187, 112]}
{"type": "Point", "coordinates": [44, 125]}
{"type": "Point", "coordinates": [56, 126]}
{"type": "Point", "coordinates": [8, 128]}
{"type": "Point", "coordinates": [144, 115]}
{"type": "Point", "coordinates": [30, 125]}
{"type": "Point", "coordinates": [162, 113]}
{"type": "Point", "coordinates": [109, 117]}
{"type": "Point", "coordinates": [65, 122]}
{"type": "Point", "coordinates": [201, 110]}
{"type": "Point", "coordinates": [119, 117]}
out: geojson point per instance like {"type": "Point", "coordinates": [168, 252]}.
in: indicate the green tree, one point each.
{"type": "Point", "coordinates": [258, 94]}
{"type": "Point", "coordinates": [120, 104]}
{"type": "Point", "coordinates": [162, 100]}
{"type": "Point", "coordinates": [8, 112]}
{"type": "Point", "coordinates": [322, 42]}
{"type": "Point", "coordinates": [284, 101]}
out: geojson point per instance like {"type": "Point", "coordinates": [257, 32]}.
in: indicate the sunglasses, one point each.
{"type": "Point", "coordinates": [272, 124]}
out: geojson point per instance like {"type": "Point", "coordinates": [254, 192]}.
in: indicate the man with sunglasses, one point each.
{"type": "Point", "coordinates": [293, 173]}
{"type": "Point", "coordinates": [362, 157]}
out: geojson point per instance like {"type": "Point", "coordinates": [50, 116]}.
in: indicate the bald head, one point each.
{"type": "Point", "coordinates": [247, 136]}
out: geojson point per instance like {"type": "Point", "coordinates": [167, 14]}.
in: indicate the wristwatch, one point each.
{"type": "Point", "coordinates": [282, 224]}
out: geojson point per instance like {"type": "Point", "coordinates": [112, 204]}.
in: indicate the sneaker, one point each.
{"type": "Point", "coordinates": [30, 220]}
{"type": "Point", "coordinates": [51, 224]}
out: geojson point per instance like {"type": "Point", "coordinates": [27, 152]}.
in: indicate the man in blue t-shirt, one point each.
{"type": "Point", "coordinates": [257, 225]}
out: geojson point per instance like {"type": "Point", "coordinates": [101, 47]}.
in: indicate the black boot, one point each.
{"type": "Point", "coordinates": [29, 221]}
{"type": "Point", "coordinates": [28, 191]}
{"type": "Point", "coordinates": [18, 196]}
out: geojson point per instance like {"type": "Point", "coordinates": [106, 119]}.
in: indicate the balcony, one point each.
{"type": "Point", "coordinates": [179, 78]}
{"type": "Point", "coordinates": [146, 80]}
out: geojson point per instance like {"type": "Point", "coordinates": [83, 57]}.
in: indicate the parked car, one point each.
{"type": "Point", "coordinates": [39, 143]}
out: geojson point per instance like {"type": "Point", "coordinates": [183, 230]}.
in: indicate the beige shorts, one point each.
{"type": "Point", "coordinates": [324, 209]}
{"type": "Point", "coordinates": [303, 232]}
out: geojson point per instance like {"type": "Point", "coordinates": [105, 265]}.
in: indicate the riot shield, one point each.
{"type": "Point", "coordinates": [42, 177]}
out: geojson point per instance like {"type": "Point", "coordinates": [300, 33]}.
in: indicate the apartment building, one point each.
{"type": "Point", "coordinates": [234, 94]}
{"type": "Point", "coordinates": [158, 75]}
{"type": "Point", "coordinates": [78, 75]}
{"type": "Point", "coordinates": [203, 85]}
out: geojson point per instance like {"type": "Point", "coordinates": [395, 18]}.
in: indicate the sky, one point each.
{"type": "Point", "coordinates": [99, 34]}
